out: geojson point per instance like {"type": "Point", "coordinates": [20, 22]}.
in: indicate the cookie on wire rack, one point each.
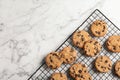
{"type": "Point", "coordinates": [103, 64]}
{"type": "Point", "coordinates": [99, 28]}
{"type": "Point", "coordinates": [113, 43]}
{"type": "Point", "coordinates": [92, 47]}
{"type": "Point", "coordinates": [80, 37]}
{"type": "Point", "coordinates": [58, 76]}
{"type": "Point", "coordinates": [79, 71]}
{"type": "Point", "coordinates": [68, 54]}
{"type": "Point", "coordinates": [117, 68]}
{"type": "Point", "coordinates": [53, 60]}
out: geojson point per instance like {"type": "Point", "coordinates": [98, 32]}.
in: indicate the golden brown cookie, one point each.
{"type": "Point", "coordinates": [80, 37]}
{"type": "Point", "coordinates": [113, 43]}
{"type": "Point", "coordinates": [99, 28]}
{"type": "Point", "coordinates": [117, 68]}
{"type": "Point", "coordinates": [103, 64]}
{"type": "Point", "coordinates": [92, 47]}
{"type": "Point", "coordinates": [84, 76]}
{"type": "Point", "coordinates": [77, 69]}
{"type": "Point", "coordinates": [68, 55]}
{"type": "Point", "coordinates": [53, 60]}
{"type": "Point", "coordinates": [58, 76]}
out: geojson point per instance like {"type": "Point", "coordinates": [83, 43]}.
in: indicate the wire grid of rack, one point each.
{"type": "Point", "coordinates": [43, 72]}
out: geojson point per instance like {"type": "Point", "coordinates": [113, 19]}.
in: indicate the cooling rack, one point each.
{"type": "Point", "coordinates": [43, 72]}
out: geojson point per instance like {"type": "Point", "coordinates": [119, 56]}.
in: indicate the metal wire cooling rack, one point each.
{"type": "Point", "coordinates": [43, 72]}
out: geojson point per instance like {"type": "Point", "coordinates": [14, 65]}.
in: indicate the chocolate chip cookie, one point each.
{"type": "Point", "coordinates": [53, 60]}
{"type": "Point", "coordinates": [77, 69]}
{"type": "Point", "coordinates": [80, 37]}
{"type": "Point", "coordinates": [58, 76]}
{"type": "Point", "coordinates": [103, 64]}
{"type": "Point", "coordinates": [99, 28]}
{"type": "Point", "coordinates": [113, 43]}
{"type": "Point", "coordinates": [117, 68]}
{"type": "Point", "coordinates": [92, 47]}
{"type": "Point", "coordinates": [68, 54]}
{"type": "Point", "coordinates": [84, 76]}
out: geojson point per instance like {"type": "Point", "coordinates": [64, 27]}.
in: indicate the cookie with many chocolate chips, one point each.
{"type": "Point", "coordinates": [103, 64]}
{"type": "Point", "coordinates": [92, 47]}
{"type": "Point", "coordinates": [80, 37]}
{"type": "Point", "coordinates": [77, 69]}
{"type": "Point", "coordinates": [113, 43]}
{"type": "Point", "coordinates": [58, 76]}
{"type": "Point", "coordinates": [117, 68]}
{"type": "Point", "coordinates": [99, 28]}
{"type": "Point", "coordinates": [84, 76]}
{"type": "Point", "coordinates": [68, 54]}
{"type": "Point", "coordinates": [53, 60]}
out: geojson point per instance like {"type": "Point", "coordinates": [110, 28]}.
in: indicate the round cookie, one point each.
{"type": "Point", "coordinates": [103, 64]}
{"type": "Point", "coordinates": [77, 69]}
{"type": "Point", "coordinates": [99, 28]}
{"type": "Point", "coordinates": [84, 76]}
{"type": "Point", "coordinates": [113, 43]}
{"type": "Point", "coordinates": [53, 60]}
{"type": "Point", "coordinates": [80, 37]}
{"type": "Point", "coordinates": [92, 47]}
{"type": "Point", "coordinates": [68, 55]}
{"type": "Point", "coordinates": [58, 76]}
{"type": "Point", "coordinates": [117, 68]}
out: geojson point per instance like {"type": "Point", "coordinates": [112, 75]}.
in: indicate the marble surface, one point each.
{"type": "Point", "coordinates": [29, 29]}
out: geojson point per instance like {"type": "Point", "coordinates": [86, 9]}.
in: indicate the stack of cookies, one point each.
{"type": "Point", "coordinates": [91, 48]}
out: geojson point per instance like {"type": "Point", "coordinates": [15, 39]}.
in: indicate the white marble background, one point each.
{"type": "Point", "coordinates": [29, 29]}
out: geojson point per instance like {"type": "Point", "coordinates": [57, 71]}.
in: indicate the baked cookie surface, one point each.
{"type": "Point", "coordinates": [53, 60]}
{"type": "Point", "coordinates": [117, 68]}
{"type": "Point", "coordinates": [113, 43]}
{"type": "Point", "coordinates": [92, 47]}
{"type": "Point", "coordinates": [103, 64]}
{"type": "Point", "coordinates": [84, 76]}
{"type": "Point", "coordinates": [68, 54]}
{"type": "Point", "coordinates": [99, 28]}
{"type": "Point", "coordinates": [77, 69]}
{"type": "Point", "coordinates": [58, 76]}
{"type": "Point", "coordinates": [80, 37]}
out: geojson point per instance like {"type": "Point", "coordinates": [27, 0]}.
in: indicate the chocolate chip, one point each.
{"type": "Point", "coordinates": [67, 60]}
{"type": "Point", "coordinates": [82, 76]}
{"type": "Point", "coordinates": [80, 71]}
{"type": "Point", "coordinates": [103, 30]}
{"type": "Point", "coordinates": [95, 43]}
{"type": "Point", "coordinates": [114, 48]}
{"type": "Point", "coordinates": [55, 54]}
{"type": "Point", "coordinates": [61, 75]}
{"type": "Point", "coordinates": [98, 32]}
{"type": "Point", "coordinates": [51, 60]}
{"type": "Point", "coordinates": [109, 65]}
{"type": "Point", "coordinates": [82, 39]}
{"type": "Point", "coordinates": [76, 75]}
{"type": "Point", "coordinates": [85, 71]}
{"type": "Point", "coordinates": [51, 66]}
{"type": "Point", "coordinates": [77, 43]}
{"type": "Point", "coordinates": [90, 41]}
{"type": "Point", "coordinates": [71, 50]}
{"type": "Point", "coordinates": [98, 65]}
{"type": "Point", "coordinates": [104, 27]}
{"type": "Point", "coordinates": [106, 61]}
{"type": "Point", "coordinates": [102, 67]}
{"type": "Point", "coordinates": [83, 65]}
{"type": "Point", "coordinates": [89, 78]}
